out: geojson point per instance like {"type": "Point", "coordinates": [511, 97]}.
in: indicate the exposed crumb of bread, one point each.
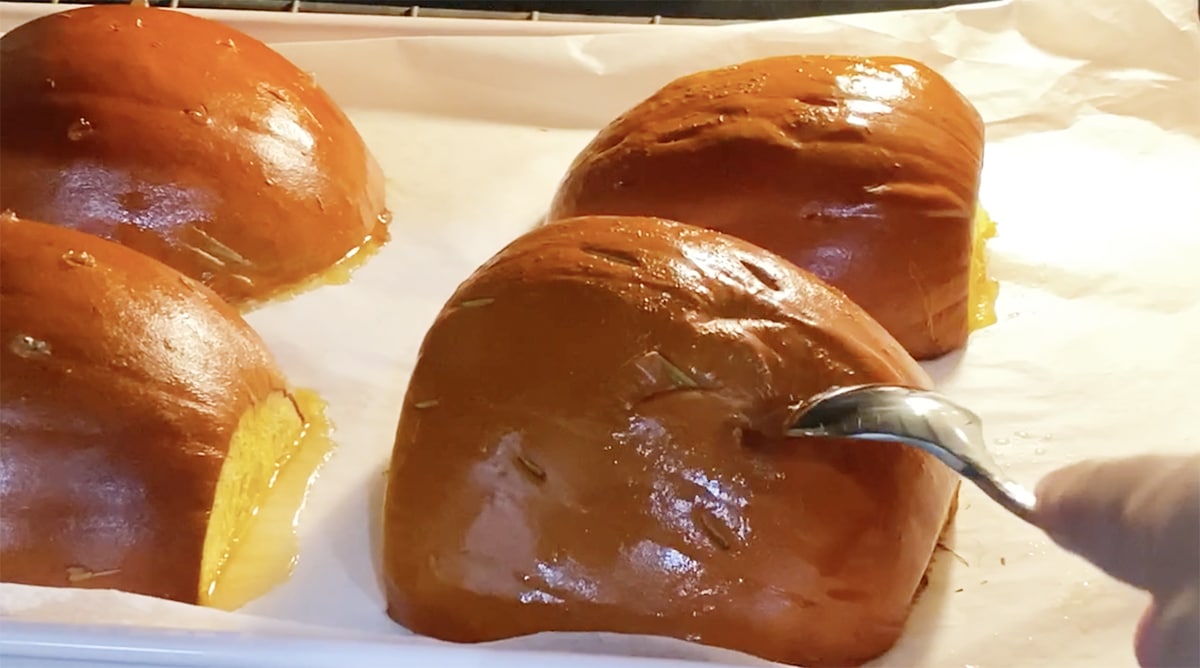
{"type": "Point", "coordinates": [428, 403]}
{"type": "Point", "coordinates": [476, 303]}
{"type": "Point", "coordinates": [983, 290]}
{"type": "Point", "coordinates": [337, 274]}
{"type": "Point", "coordinates": [264, 552]}
{"type": "Point", "coordinates": [265, 439]}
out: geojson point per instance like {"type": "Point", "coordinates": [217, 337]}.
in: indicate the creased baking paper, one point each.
{"type": "Point", "coordinates": [1092, 172]}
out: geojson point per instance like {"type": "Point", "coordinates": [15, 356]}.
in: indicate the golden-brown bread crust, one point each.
{"type": "Point", "coordinates": [592, 440]}
{"type": "Point", "coordinates": [864, 171]}
{"type": "Point", "coordinates": [187, 140]}
{"type": "Point", "coordinates": [122, 382]}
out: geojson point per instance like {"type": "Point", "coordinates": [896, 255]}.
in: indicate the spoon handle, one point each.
{"type": "Point", "coordinates": [1018, 499]}
{"type": "Point", "coordinates": [918, 418]}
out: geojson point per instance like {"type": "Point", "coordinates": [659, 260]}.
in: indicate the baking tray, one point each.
{"type": "Point", "coordinates": [692, 12]}
{"type": "Point", "coordinates": [334, 20]}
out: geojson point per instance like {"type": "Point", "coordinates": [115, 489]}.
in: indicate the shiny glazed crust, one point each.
{"type": "Point", "coordinates": [864, 171]}
{"type": "Point", "coordinates": [187, 140]}
{"type": "Point", "coordinates": [122, 382]}
{"type": "Point", "coordinates": [592, 440]}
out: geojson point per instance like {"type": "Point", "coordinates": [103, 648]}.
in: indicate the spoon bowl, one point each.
{"type": "Point", "coordinates": [919, 418]}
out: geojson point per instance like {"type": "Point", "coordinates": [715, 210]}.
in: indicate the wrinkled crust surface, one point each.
{"type": "Point", "coordinates": [122, 383]}
{"type": "Point", "coordinates": [592, 440]}
{"type": "Point", "coordinates": [187, 140]}
{"type": "Point", "coordinates": [865, 171]}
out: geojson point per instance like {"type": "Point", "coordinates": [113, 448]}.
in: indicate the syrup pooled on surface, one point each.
{"type": "Point", "coordinates": [341, 272]}
{"type": "Point", "coordinates": [983, 291]}
{"type": "Point", "coordinates": [338, 274]}
{"type": "Point", "coordinates": [265, 555]}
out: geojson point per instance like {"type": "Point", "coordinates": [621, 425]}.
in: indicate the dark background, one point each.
{"type": "Point", "coordinates": [702, 10]}
{"type": "Point", "coordinates": [712, 9]}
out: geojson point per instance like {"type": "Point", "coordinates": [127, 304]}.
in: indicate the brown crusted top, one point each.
{"type": "Point", "coordinates": [187, 140]}
{"type": "Point", "coordinates": [863, 170]}
{"type": "Point", "coordinates": [122, 382]}
{"type": "Point", "coordinates": [592, 440]}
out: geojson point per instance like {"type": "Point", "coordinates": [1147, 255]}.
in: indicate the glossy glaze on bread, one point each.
{"type": "Point", "coordinates": [592, 440]}
{"type": "Point", "coordinates": [187, 140]}
{"type": "Point", "coordinates": [864, 171]}
{"type": "Point", "coordinates": [123, 384]}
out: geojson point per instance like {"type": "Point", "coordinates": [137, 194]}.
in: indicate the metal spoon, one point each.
{"type": "Point", "coordinates": [920, 418]}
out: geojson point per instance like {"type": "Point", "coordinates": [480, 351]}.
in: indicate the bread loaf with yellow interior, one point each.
{"type": "Point", "coordinates": [593, 439]}
{"type": "Point", "coordinates": [863, 170]}
{"type": "Point", "coordinates": [142, 420]}
{"type": "Point", "coordinates": [189, 141]}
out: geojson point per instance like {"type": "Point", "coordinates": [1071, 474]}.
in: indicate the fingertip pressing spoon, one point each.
{"type": "Point", "coordinates": [920, 418]}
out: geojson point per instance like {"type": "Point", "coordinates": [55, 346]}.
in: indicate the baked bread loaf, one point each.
{"type": "Point", "coordinates": [187, 140]}
{"type": "Point", "coordinates": [593, 440]}
{"type": "Point", "coordinates": [865, 171]}
{"type": "Point", "coordinates": [142, 418]}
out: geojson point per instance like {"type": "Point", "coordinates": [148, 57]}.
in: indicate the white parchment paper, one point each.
{"type": "Point", "coordinates": [1092, 171]}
